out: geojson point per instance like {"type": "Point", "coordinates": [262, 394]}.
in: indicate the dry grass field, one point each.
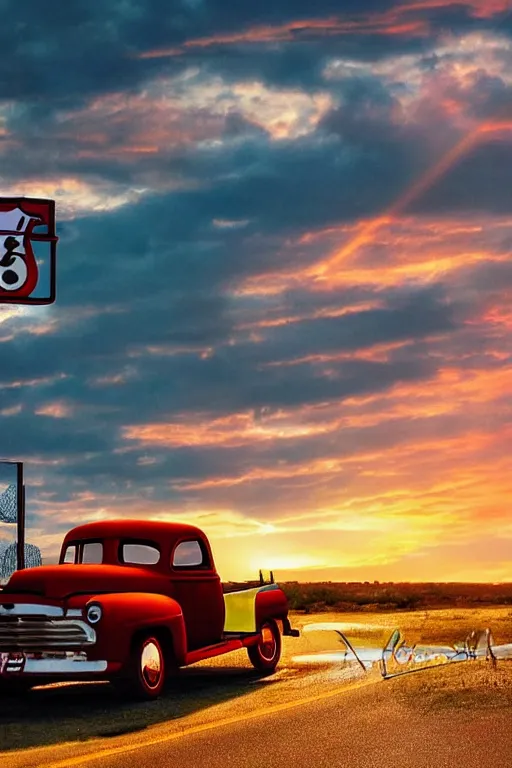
{"type": "Point", "coordinates": [375, 596]}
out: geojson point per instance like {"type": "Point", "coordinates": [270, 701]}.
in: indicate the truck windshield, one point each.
{"type": "Point", "coordinates": [85, 552]}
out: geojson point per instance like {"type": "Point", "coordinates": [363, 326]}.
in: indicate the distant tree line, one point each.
{"type": "Point", "coordinates": [357, 596]}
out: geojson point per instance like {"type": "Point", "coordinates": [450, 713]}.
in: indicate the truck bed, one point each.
{"type": "Point", "coordinates": [240, 605]}
{"type": "Point", "coordinates": [234, 586]}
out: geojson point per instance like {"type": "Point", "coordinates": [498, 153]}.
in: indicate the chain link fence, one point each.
{"type": "Point", "coordinates": [9, 546]}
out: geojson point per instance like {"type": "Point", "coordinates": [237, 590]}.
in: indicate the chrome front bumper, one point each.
{"type": "Point", "coordinates": [19, 664]}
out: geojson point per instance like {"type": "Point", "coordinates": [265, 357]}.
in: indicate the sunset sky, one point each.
{"type": "Point", "coordinates": [284, 279]}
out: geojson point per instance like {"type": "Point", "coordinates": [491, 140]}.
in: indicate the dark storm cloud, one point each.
{"type": "Point", "coordinates": [73, 439]}
{"type": "Point", "coordinates": [480, 182]}
{"type": "Point", "coordinates": [179, 464]}
{"type": "Point", "coordinates": [26, 435]}
{"type": "Point", "coordinates": [234, 378]}
{"type": "Point", "coordinates": [257, 179]}
{"type": "Point", "coordinates": [412, 316]}
{"type": "Point", "coordinates": [266, 183]}
{"type": "Point", "coordinates": [165, 247]}
{"type": "Point", "coordinates": [358, 161]}
{"type": "Point", "coordinates": [230, 14]}
{"type": "Point", "coordinates": [64, 53]}
{"type": "Point", "coordinates": [490, 96]}
{"type": "Point", "coordinates": [491, 277]}
{"type": "Point", "coordinates": [299, 64]}
{"type": "Point", "coordinates": [87, 440]}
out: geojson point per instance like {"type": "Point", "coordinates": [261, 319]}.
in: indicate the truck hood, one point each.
{"type": "Point", "coordinates": [62, 581]}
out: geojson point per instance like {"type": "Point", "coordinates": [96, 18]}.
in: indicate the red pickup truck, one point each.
{"type": "Point", "coordinates": [131, 601]}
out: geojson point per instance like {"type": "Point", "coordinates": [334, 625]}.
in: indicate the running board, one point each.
{"type": "Point", "coordinates": [212, 650]}
{"type": "Point", "coordinates": [228, 636]}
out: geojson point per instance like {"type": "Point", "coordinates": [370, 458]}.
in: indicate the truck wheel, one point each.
{"type": "Point", "coordinates": [265, 655]}
{"type": "Point", "coordinates": [145, 675]}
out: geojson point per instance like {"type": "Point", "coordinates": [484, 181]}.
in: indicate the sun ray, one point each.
{"type": "Point", "coordinates": [426, 181]}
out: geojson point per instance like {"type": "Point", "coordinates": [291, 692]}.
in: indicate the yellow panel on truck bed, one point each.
{"type": "Point", "coordinates": [241, 610]}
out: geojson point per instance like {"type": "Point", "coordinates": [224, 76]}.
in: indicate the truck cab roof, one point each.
{"type": "Point", "coordinates": [157, 529]}
{"type": "Point", "coordinates": [149, 543]}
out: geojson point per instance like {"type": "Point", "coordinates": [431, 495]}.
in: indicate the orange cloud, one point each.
{"type": "Point", "coordinates": [377, 353]}
{"type": "Point", "coordinates": [55, 410]}
{"type": "Point", "coordinates": [414, 250]}
{"type": "Point", "coordinates": [480, 9]}
{"type": "Point", "coordinates": [468, 388]}
{"type": "Point", "coordinates": [233, 430]}
{"type": "Point", "coordinates": [295, 30]}
{"type": "Point", "coordinates": [456, 447]}
{"type": "Point", "coordinates": [11, 411]}
{"type": "Point", "coordinates": [19, 383]}
{"type": "Point", "coordinates": [391, 22]}
{"type": "Point", "coordinates": [319, 313]}
{"type": "Point", "coordinates": [118, 151]}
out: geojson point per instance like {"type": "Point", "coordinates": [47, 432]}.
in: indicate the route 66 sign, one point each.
{"type": "Point", "coordinates": [21, 270]}
{"type": "Point", "coordinates": [12, 662]}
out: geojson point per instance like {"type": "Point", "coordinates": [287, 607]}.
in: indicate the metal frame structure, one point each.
{"type": "Point", "coordinates": [468, 653]}
{"type": "Point", "coordinates": [349, 645]}
{"type": "Point", "coordinates": [479, 644]}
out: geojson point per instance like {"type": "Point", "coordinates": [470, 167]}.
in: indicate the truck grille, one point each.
{"type": "Point", "coordinates": [38, 633]}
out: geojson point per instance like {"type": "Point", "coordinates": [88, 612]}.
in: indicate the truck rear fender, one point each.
{"type": "Point", "coordinates": [130, 613]}
{"type": "Point", "coordinates": [271, 603]}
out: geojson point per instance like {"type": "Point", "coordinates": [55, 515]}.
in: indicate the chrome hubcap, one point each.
{"type": "Point", "coordinates": [151, 664]}
{"type": "Point", "coordinates": [267, 643]}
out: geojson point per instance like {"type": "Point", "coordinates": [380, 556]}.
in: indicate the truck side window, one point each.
{"type": "Point", "coordinates": [70, 554]}
{"type": "Point", "coordinates": [188, 554]}
{"type": "Point", "coordinates": [92, 552]}
{"type": "Point", "coordinates": [139, 554]}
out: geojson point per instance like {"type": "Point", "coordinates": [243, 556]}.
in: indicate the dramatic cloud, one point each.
{"type": "Point", "coordinates": [284, 283]}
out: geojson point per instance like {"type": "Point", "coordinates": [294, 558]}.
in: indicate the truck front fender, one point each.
{"type": "Point", "coordinates": [124, 614]}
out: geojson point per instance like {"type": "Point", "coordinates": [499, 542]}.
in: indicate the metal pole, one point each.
{"type": "Point", "coordinates": [20, 500]}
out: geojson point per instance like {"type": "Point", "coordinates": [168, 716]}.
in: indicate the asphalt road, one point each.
{"type": "Point", "coordinates": [309, 714]}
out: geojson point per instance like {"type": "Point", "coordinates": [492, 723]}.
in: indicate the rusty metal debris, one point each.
{"type": "Point", "coordinates": [397, 657]}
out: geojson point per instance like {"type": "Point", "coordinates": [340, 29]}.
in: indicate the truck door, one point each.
{"type": "Point", "coordinates": [197, 587]}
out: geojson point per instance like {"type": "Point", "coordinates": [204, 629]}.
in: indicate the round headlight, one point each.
{"type": "Point", "coordinates": [94, 614]}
